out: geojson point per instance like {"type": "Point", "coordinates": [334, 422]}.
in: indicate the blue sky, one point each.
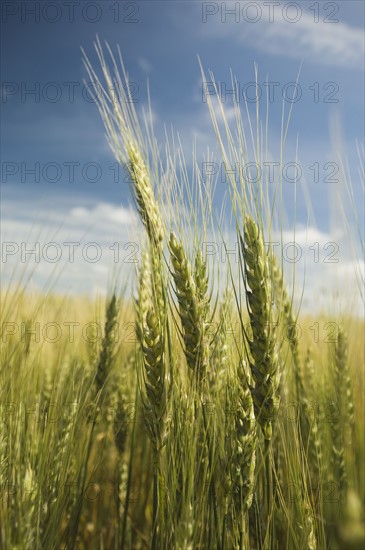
{"type": "Point", "coordinates": [61, 130]}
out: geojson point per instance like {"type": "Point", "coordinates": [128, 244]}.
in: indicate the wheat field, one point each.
{"type": "Point", "coordinates": [206, 411]}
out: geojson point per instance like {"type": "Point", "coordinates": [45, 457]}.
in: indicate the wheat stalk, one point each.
{"type": "Point", "coordinates": [151, 332]}
{"type": "Point", "coordinates": [121, 123]}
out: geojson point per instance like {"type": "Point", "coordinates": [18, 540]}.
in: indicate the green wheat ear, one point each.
{"type": "Point", "coordinates": [343, 380]}
{"type": "Point", "coordinates": [243, 464]}
{"type": "Point", "coordinates": [285, 308]}
{"type": "Point", "coordinates": [220, 356]}
{"type": "Point", "coordinates": [191, 293]}
{"type": "Point", "coordinates": [107, 352]}
{"type": "Point", "coordinates": [345, 410]}
{"type": "Point", "coordinates": [144, 195]}
{"type": "Point", "coordinates": [154, 362]}
{"type": "Point", "coordinates": [119, 417]}
{"type": "Point", "coordinates": [151, 335]}
{"type": "Point", "coordinates": [264, 362]}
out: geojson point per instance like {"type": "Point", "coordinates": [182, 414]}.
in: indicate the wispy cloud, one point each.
{"type": "Point", "coordinates": [104, 215]}
{"type": "Point", "coordinates": [327, 43]}
{"type": "Point", "coordinates": [145, 65]}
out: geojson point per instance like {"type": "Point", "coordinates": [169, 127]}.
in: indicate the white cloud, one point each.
{"type": "Point", "coordinates": [109, 240]}
{"type": "Point", "coordinates": [145, 65]}
{"type": "Point", "coordinates": [335, 44]}
{"type": "Point", "coordinates": [104, 213]}
{"type": "Point", "coordinates": [306, 236]}
{"type": "Point", "coordinates": [326, 266]}
{"type": "Point", "coordinates": [106, 239]}
{"type": "Point", "coordinates": [319, 265]}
